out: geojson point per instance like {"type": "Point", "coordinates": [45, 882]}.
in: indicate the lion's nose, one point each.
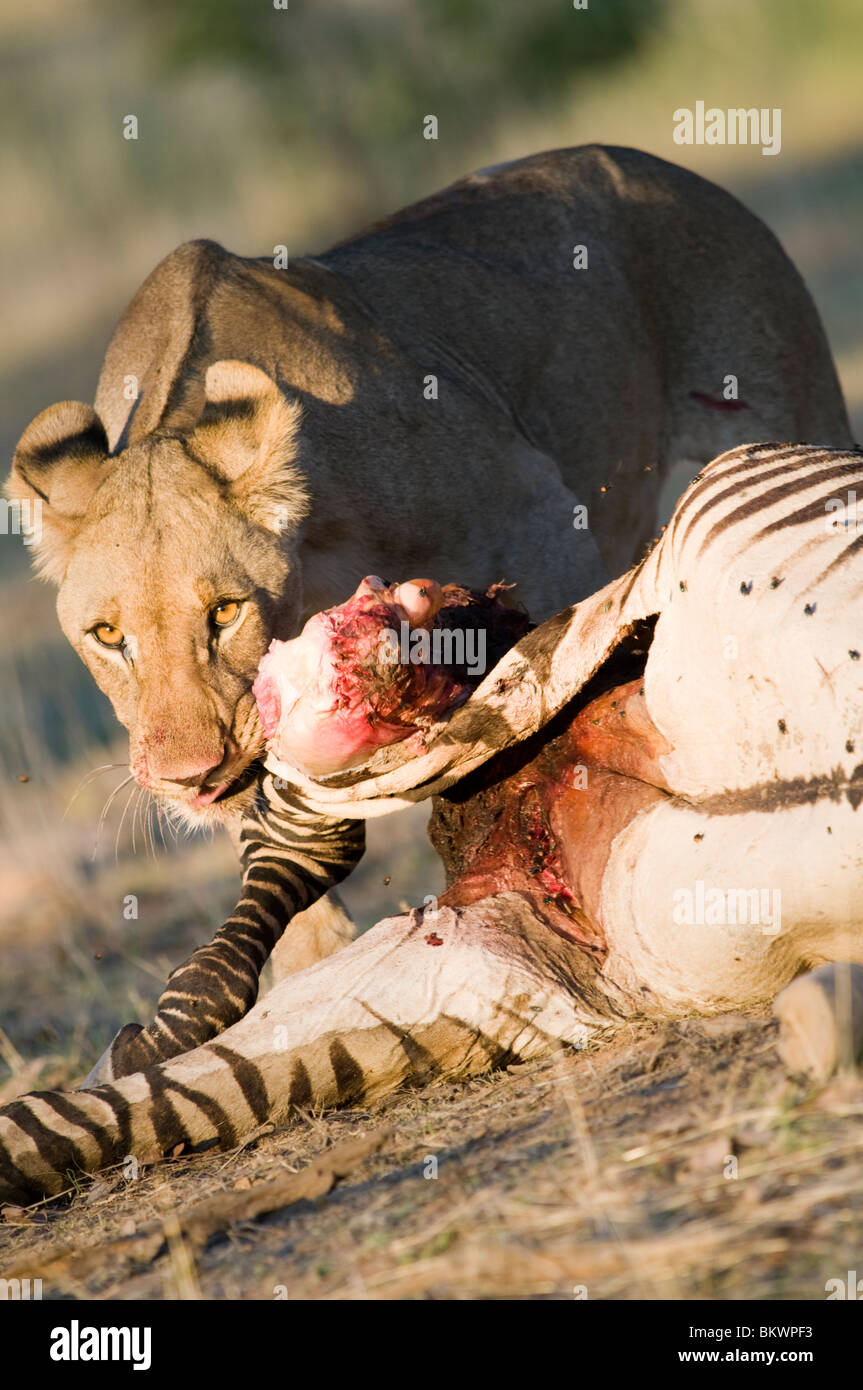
{"type": "Point", "coordinates": [191, 767]}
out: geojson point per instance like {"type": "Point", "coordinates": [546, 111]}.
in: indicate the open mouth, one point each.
{"type": "Point", "coordinates": [223, 792]}
{"type": "Point", "coordinates": [207, 795]}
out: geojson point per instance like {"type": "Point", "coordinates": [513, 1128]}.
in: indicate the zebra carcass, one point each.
{"type": "Point", "coordinates": [649, 806]}
{"type": "Point", "coordinates": [670, 772]}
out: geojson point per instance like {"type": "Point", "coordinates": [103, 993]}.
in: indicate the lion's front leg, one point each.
{"type": "Point", "coordinates": [318, 932]}
{"type": "Point", "coordinates": [441, 995]}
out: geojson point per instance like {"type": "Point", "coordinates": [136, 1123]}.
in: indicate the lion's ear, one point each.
{"type": "Point", "coordinates": [60, 461]}
{"type": "Point", "coordinates": [248, 433]}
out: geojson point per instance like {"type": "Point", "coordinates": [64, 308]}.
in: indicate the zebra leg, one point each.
{"type": "Point", "coordinates": [290, 858]}
{"type": "Point", "coordinates": [706, 912]}
{"type": "Point", "coordinates": [411, 1000]}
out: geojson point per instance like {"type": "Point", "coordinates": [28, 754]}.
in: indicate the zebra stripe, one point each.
{"type": "Point", "coordinates": [290, 857]}
{"type": "Point", "coordinates": [354, 1052]}
{"type": "Point", "coordinates": [742, 469]}
{"type": "Point", "coordinates": [801, 468]}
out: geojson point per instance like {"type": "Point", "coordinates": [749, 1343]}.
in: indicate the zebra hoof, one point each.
{"type": "Point", "coordinates": [821, 1020]}
{"type": "Point", "coordinates": [110, 1066]}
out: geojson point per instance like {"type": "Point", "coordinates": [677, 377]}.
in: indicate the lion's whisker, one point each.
{"type": "Point", "coordinates": [129, 801]}
{"type": "Point", "coordinates": [106, 808]}
{"type": "Point", "coordinates": [147, 816]}
{"type": "Point", "coordinates": [86, 780]}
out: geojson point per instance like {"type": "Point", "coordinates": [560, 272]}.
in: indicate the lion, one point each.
{"type": "Point", "coordinates": [493, 383]}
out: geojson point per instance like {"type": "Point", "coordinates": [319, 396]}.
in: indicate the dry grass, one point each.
{"type": "Point", "coordinates": [675, 1163]}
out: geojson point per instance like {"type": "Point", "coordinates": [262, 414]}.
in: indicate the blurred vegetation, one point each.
{"type": "Point", "coordinates": [261, 126]}
{"type": "Point", "coordinates": [373, 66]}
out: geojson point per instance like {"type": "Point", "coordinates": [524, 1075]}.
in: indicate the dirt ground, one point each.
{"type": "Point", "coordinates": [673, 1162]}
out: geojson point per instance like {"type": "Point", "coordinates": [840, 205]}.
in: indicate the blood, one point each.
{"type": "Point", "coordinates": [331, 697]}
{"type": "Point", "coordinates": [714, 402]}
{"type": "Point", "coordinates": [545, 828]}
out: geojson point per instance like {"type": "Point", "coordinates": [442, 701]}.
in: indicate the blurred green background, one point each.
{"type": "Point", "coordinates": [260, 126]}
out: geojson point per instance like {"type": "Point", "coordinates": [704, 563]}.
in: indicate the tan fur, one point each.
{"type": "Point", "coordinates": [266, 434]}
{"type": "Point", "coordinates": [320, 931]}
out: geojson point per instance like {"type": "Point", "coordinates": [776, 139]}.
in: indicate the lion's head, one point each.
{"type": "Point", "coordinates": [176, 560]}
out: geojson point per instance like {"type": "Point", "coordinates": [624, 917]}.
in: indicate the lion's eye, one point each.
{"type": "Point", "coordinates": [109, 636]}
{"type": "Point", "coordinates": [226, 613]}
